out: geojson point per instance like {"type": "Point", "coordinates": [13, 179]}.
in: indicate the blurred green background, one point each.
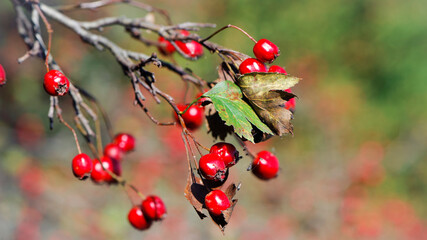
{"type": "Point", "coordinates": [355, 169]}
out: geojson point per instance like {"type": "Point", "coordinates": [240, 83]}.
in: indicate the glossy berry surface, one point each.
{"type": "Point", "coordinates": [82, 166]}
{"type": "Point", "coordinates": [190, 48]}
{"type": "Point", "coordinates": [251, 65]}
{"type": "Point", "coordinates": [216, 201]}
{"type": "Point", "coordinates": [226, 152]}
{"type": "Point", "coordinates": [165, 47]}
{"type": "Point", "coordinates": [55, 83]}
{"type": "Point", "coordinates": [98, 174]}
{"type": "Point", "coordinates": [265, 166]}
{"type": "Point", "coordinates": [290, 105]}
{"type": "Point", "coordinates": [212, 167]}
{"type": "Point", "coordinates": [277, 69]}
{"type": "Point", "coordinates": [126, 142]}
{"type": "Point", "coordinates": [137, 219]}
{"type": "Point", "coordinates": [2, 76]}
{"type": "Point", "coordinates": [153, 208]}
{"type": "Point", "coordinates": [193, 117]}
{"type": "Point", "coordinates": [112, 150]}
{"type": "Point", "coordinates": [266, 51]}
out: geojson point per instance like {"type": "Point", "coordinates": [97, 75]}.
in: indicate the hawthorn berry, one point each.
{"type": "Point", "coordinates": [137, 219]}
{"type": "Point", "coordinates": [190, 48]}
{"type": "Point", "coordinates": [251, 65]}
{"type": "Point", "coordinates": [153, 208]}
{"type": "Point", "coordinates": [82, 166]}
{"type": "Point", "coordinates": [125, 141]}
{"type": "Point", "coordinates": [290, 104]}
{"type": "Point", "coordinates": [112, 150]}
{"type": "Point", "coordinates": [193, 117]}
{"type": "Point", "coordinates": [216, 201]}
{"type": "Point", "coordinates": [56, 83]}
{"type": "Point", "coordinates": [2, 76]}
{"type": "Point", "coordinates": [165, 47]}
{"type": "Point", "coordinates": [265, 165]}
{"type": "Point", "coordinates": [266, 51]}
{"type": "Point", "coordinates": [277, 69]}
{"type": "Point", "coordinates": [212, 167]}
{"type": "Point", "coordinates": [226, 152]}
{"type": "Point", "coordinates": [98, 174]}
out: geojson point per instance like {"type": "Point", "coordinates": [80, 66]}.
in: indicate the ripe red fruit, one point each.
{"type": "Point", "coordinates": [112, 150]}
{"type": "Point", "coordinates": [165, 47]}
{"type": "Point", "coordinates": [137, 219]}
{"type": "Point", "coordinates": [190, 48]}
{"type": "Point", "coordinates": [125, 141]}
{"type": "Point", "coordinates": [2, 76]}
{"type": "Point", "coordinates": [216, 202]}
{"type": "Point", "coordinates": [55, 83]}
{"type": "Point", "coordinates": [226, 152]}
{"type": "Point", "coordinates": [193, 117]}
{"type": "Point", "coordinates": [82, 166]}
{"type": "Point", "coordinates": [251, 65]}
{"type": "Point", "coordinates": [98, 173]}
{"type": "Point", "coordinates": [153, 208]}
{"type": "Point", "coordinates": [290, 105]}
{"type": "Point", "coordinates": [265, 166]}
{"type": "Point", "coordinates": [212, 167]}
{"type": "Point", "coordinates": [277, 69]}
{"type": "Point", "coordinates": [266, 51]}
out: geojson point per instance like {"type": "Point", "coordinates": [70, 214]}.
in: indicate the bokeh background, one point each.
{"type": "Point", "coordinates": [355, 169]}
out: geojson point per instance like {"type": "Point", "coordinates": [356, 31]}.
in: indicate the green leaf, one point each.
{"type": "Point", "coordinates": [265, 92]}
{"type": "Point", "coordinates": [227, 99]}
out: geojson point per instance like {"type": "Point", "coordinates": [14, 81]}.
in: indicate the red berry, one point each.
{"type": "Point", "coordinates": [112, 150]}
{"type": "Point", "coordinates": [226, 152]}
{"type": "Point", "coordinates": [98, 173]}
{"type": "Point", "coordinates": [251, 65]}
{"type": "Point", "coordinates": [137, 219]}
{"type": "Point", "coordinates": [55, 83]}
{"type": "Point", "coordinates": [290, 105]}
{"type": "Point", "coordinates": [216, 202]}
{"type": "Point", "coordinates": [82, 166]}
{"type": "Point", "coordinates": [165, 47]}
{"type": "Point", "coordinates": [2, 76]}
{"type": "Point", "coordinates": [265, 166]}
{"type": "Point", "coordinates": [190, 48]}
{"type": "Point", "coordinates": [277, 69]}
{"type": "Point", "coordinates": [193, 117]}
{"type": "Point", "coordinates": [153, 208]}
{"type": "Point", "coordinates": [266, 51]}
{"type": "Point", "coordinates": [212, 167]}
{"type": "Point", "coordinates": [125, 141]}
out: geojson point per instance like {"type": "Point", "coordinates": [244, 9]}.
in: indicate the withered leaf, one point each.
{"type": "Point", "coordinates": [223, 219]}
{"type": "Point", "coordinates": [195, 192]}
{"type": "Point", "coordinates": [265, 92]}
{"type": "Point", "coordinates": [227, 100]}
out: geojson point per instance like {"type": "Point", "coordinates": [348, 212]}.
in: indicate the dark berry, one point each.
{"type": "Point", "coordinates": [290, 104]}
{"type": "Point", "coordinates": [226, 152]}
{"type": "Point", "coordinates": [190, 48]}
{"type": "Point", "coordinates": [126, 142]}
{"type": "Point", "coordinates": [55, 83]}
{"type": "Point", "coordinates": [82, 166]}
{"type": "Point", "coordinates": [137, 219]}
{"type": "Point", "coordinates": [2, 76]}
{"type": "Point", "coordinates": [266, 51]}
{"type": "Point", "coordinates": [251, 65]}
{"type": "Point", "coordinates": [154, 208]}
{"type": "Point", "coordinates": [98, 173]}
{"type": "Point", "coordinates": [265, 166]}
{"type": "Point", "coordinates": [112, 150]}
{"type": "Point", "coordinates": [216, 202]}
{"type": "Point", "coordinates": [165, 47]}
{"type": "Point", "coordinates": [193, 117]}
{"type": "Point", "coordinates": [277, 69]}
{"type": "Point", "coordinates": [212, 167]}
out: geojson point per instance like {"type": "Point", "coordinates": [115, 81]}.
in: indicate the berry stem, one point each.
{"type": "Point", "coordinates": [225, 27]}
{"type": "Point", "coordinates": [72, 130]}
{"type": "Point", "coordinates": [189, 105]}
{"type": "Point", "coordinates": [98, 135]}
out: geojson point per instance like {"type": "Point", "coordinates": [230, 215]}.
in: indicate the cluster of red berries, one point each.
{"type": "Point", "coordinates": [265, 52]}
{"type": "Point", "coordinates": [142, 216]}
{"type": "Point", "coordinates": [191, 48]}
{"type": "Point", "coordinates": [56, 83]}
{"type": "Point", "coordinates": [2, 76]}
